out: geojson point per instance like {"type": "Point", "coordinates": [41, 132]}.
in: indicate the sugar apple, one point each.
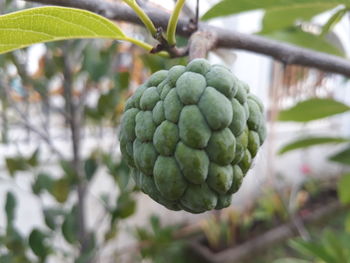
{"type": "Point", "coordinates": [190, 134]}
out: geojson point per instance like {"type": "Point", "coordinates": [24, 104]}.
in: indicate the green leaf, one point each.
{"type": "Point", "coordinates": [126, 206]}
{"type": "Point", "coordinates": [306, 142]}
{"type": "Point", "coordinates": [10, 207]}
{"type": "Point", "coordinates": [42, 182]}
{"type": "Point", "coordinates": [44, 24]}
{"type": "Point", "coordinates": [69, 171]}
{"type": "Point", "coordinates": [313, 109]}
{"type": "Point", "coordinates": [107, 102]}
{"type": "Point", "coordinates": [311, 249]}
{"type": "Point", "coordinates": [334, 246]}
{"type": "Point", "coordinates": [298, 37]}
{"type": "Point", "coordinates": [37, 244]}
{"type": "Point", "coordinates": [51, 216]}
{"type": "Point", "coordinates": [33, 160]}
{"type": "Point", "coordinates": [70, 227]}
{"type": "Point", "coordinates": [14, 241]}
{"type": "Point", "coordinates": [60, 189]}
{"type": "Point", "coordinates": [90, 167]}
{"type": "Point", "coordinates": [16, 164]}
{"type": "Point", "coordinates": [291, 260]}
{"type": "Point", "coordinates": [97, 62]}
{"type": "Point", "coordinates": [344, 189]}
{"type": "Point", "coordinates": [6, 258]}
{"type": "Point", "coordinates": [226, 7]}
{"type": "Point", "coordinates": [347, 223]}
{"type": "Point", "coordinates": [333, 20]}
{"type": "Point", "coordinates": [279, 18]}
{"type": "Point", "coordinates": [342, 157]}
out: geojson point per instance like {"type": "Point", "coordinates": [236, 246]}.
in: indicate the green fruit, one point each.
{"type": "Point", "coordinates": [190, 134]}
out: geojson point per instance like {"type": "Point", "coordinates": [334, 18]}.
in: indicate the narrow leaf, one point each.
{"type": "Point", "coordinates": [344, 189]}
{"type": "Point", "coordinates": [226, 7]}
{"type": "Point", "coordinates": [10, 207]}
{"type": "Point", "coordinates": [310, 141]}
{"type": "Point", "coordinates": [342, 157]}
{"type": "Point", "coordinates": [311, 249]}
{"type": "Point", "coordinates": [333, 20]}
{"type": "Point", "coordinates": [347, 223]}
{"type": "Point", "coordinates": [313, 109]}
{"type": "Point", "coordinates": [44, 24]}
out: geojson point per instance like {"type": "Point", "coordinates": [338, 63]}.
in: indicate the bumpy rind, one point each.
{"type": "Point", "coordinates": [190, 135]}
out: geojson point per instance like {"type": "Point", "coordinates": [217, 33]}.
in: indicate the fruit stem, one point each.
{"type": "Point", "coordinates": [145, 46]}
{"type": "Point", "coordinates": [171, 29]}
{"type": "Point", "coordinates": [201, 43]}
{"type": "Point", "coordinates": [143, 16]}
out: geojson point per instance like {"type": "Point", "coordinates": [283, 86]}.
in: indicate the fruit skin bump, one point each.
{"type": "Point", "coordinates": [190, 134]}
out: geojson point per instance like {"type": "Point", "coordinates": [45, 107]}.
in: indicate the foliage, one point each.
{"type": "Point", "coordinates": [159, 244]}
{"type": "Point", "coordinates": [315, 109]}
{"type": "Point", "coordinates": [330, 246]}
{"type": "Point", "coordinates": [284, 20]}
{"type": "Point", "coordinates": [38, 25]}
{"type": "Point", "coordinates": [97, 71]}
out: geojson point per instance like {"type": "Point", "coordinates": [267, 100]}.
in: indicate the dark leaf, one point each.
{"type": "Point", "coordinates": [122, 80]}
{"type": "Point", "coordinates": [37, 244]}
{"type": "Point", "coordinates": [68, 169]}
{"type": "Point", "coordinates": [70, 227]}
{"type": "Point", "coordinates": [10, 207]}
{"type": "Point", "coordinates": [90, 167]}
{"type": "Point", "coordinates": [51, 216]}
{"type": "Point", "coordinates": [107, 102]}
{"type": "Point", "coordinates": [42, 182]}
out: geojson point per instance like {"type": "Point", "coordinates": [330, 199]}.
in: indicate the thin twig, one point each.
{"type": "Point", "coordinates": [31, 127]}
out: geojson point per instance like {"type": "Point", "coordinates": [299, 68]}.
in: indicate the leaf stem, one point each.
{"type": "Point", "coordinates": [143, 16]}
{"type": "Point", "coordinates": [171, 29]}
{"type": "Point", "coordinates": [145, 46]}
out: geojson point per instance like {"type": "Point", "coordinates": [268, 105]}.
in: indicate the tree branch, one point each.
{"type": "Point", "coordinates": [286, 53]}
{"type": "Point", "coordinates": [200, 44]}
{"type": "Point", "coordinates": [75, 127]}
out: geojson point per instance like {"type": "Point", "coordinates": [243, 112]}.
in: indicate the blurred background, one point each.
{"type": "Point", "coordinates": [60, 109]}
